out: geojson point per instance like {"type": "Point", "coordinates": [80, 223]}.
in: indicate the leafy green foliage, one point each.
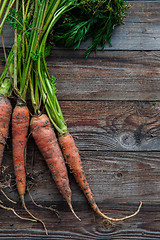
{"type": "Point", "coordinates": [47, 50]}
{"type": "Point", "coordinates": [35, 55]}
{"type": "Point", "coordinates": [15, 19]}
{"type": "Point", "coordinates": [95, 19]}
{"type": "Point", "coordinates": [6, 87]}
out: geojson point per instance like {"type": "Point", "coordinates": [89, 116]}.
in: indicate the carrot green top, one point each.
{"type": "Point", "coordinates": [39, 24]}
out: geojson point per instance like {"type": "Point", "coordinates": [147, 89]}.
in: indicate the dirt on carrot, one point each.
{"type": "Point", "coordinates": [47, 143]}
{"type": "Point", "coordinates": [72, 157]}
{"type": "Point", "coordinates": [20, 125]}
{"type": "Point", "coordinates": [5, 114]}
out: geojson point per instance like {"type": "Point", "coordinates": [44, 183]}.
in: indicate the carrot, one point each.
{"type": "Point", "coordinates": [5, 114]}
{"type": "Point", "coordinates": [47, 143]}
{"type": "Point", "coordinates": [20, 125]}
{"type": "Point", "coordinates": [73, 159]}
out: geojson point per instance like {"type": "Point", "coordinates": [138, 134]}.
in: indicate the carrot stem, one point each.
{"type": "Point", "coordinates": [6, 13]}
{"type": "Point", "coordinates": [15, 50]}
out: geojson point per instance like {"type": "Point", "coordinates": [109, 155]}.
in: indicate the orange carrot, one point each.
{"type": "Point", "coordinates": [20, 125]}
{"type": "Point", "coordinates": [5, 114]}
{"type": "Point", "coordinates": [73, 159]}
{"type": "Point", "coordinates": [46, 141]}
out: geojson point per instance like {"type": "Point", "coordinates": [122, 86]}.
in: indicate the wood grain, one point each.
{"type": "Point", "coordinates": [115, 75]}
{"type": "Point", "coordinates": [142, 227]}
{"type": "Point", "coordinates": [114, 177]}
{"type": "Point", "coordinates": [8, 35]}
{"type": "Point", "coordinates": [114, 125]}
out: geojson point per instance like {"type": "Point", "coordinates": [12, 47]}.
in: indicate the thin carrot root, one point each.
{"type": "Point", "coordinates": [12, 209]}
{"type": "Point", "coordinates": [7, 197]}
{"type": "Point", "coordinates": [71, 208]}
{"type": "Point", "coordinates": [44, 207]}
{"type": "Point", "coordinates": [121, 219]}
{"type": "Point", "coordinates": [35, 218]}
{"type": "Point", "coordinates": [72, 157]}
{"type": "Point", "coordinates": [46, 141]}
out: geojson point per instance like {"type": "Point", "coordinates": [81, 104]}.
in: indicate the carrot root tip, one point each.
{"type": "Point", "coordinates": [71, 208]}
{"type": "Point", "coordinates": [110, 220]}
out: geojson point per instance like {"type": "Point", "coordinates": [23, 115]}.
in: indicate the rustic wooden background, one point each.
{"type": "Point", "coordinates": [111, 102]}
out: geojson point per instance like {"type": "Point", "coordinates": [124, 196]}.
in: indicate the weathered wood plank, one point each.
{"type": "Point", "coordinates": [140, 32]}
{"type": "Point", "coordinates": [8, 35]}
{"type": "Point", "coordinates": [115, 125]}
{"type": "Point", "coordinates": [115, 75]}
{"type": "Point", "coordinates": [143, 226]}
{"type": "Point", "coordinates": [113, 177]}
{"type": "Point", "coordinates": [143, 11]}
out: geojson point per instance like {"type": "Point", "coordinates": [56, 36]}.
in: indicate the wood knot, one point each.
{"type": "Point", "coordinates": [119, 175]}
{"type": "Point", "coordinates": [127, 139]}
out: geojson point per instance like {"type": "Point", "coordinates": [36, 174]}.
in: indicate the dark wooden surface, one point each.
{"type": "Point", "coordinates": [111, 104]}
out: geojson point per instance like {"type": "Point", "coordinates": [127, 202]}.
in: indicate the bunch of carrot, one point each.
{"type": "Point", "coordinates": [27, 70]}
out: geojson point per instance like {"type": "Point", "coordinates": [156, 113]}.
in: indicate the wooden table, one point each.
{"type": "Point", "coordinates": [111, 102]}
